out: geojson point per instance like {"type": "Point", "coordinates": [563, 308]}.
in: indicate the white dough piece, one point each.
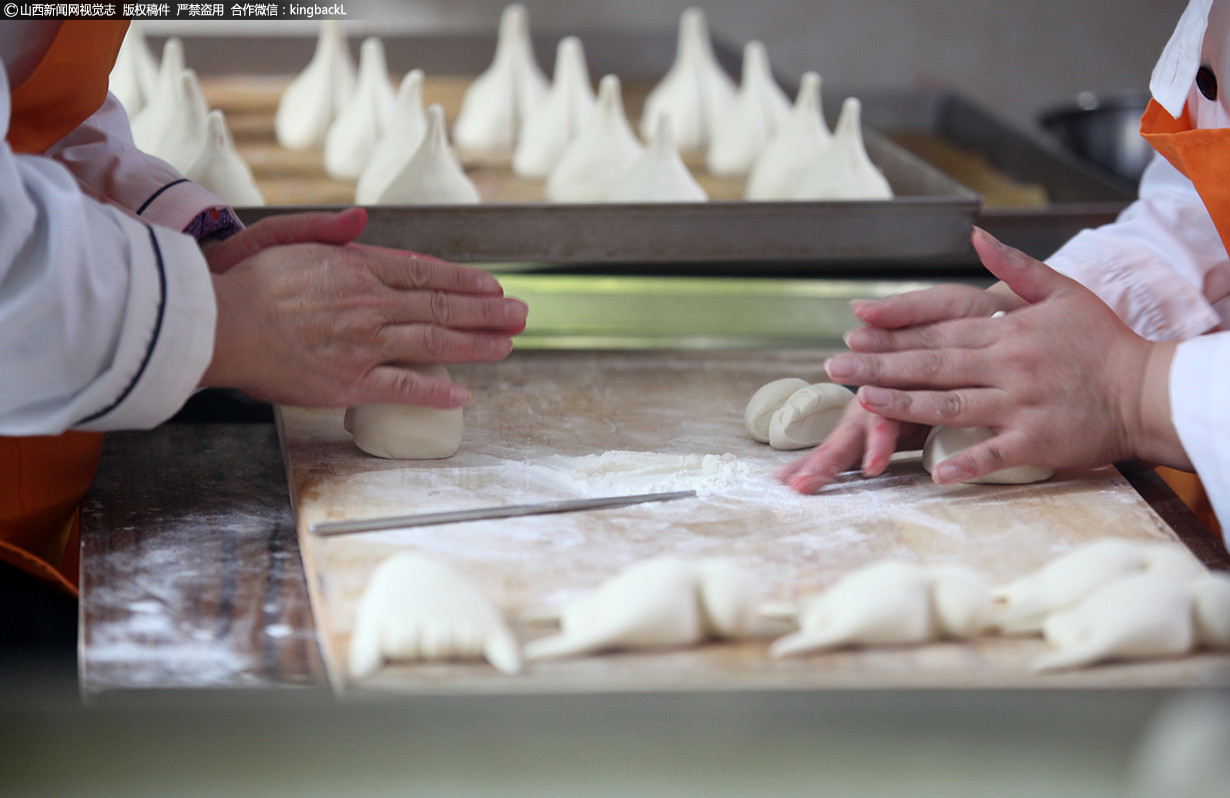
{"type": "Point", "coordinates": [433, 175]}
{"type": "Point", "coordinates": [960, 601]}
{"type": "Point", "coordinates": [162, 108]}
{"type": "Point", "coordinates": [598, 157]}
{"type": "Point", "coordinates": [135, 74]}
{"type": "Point", "coordinates": [759, 111]}
{"type": "Point", "coordinates": [659, 174]}
{"type": "Point", "coordinates": [415, 608]}
{"type": "Point", "coordinates": [318, 94]}
{"type": "Point", "coordinates": [550, 125]}
{"type": "Point", "coordinates": [407, 432]}
{"type": "Point", "coordinates": [842, 171]}
{"type": "Point", "coordinates": [1211, 609]}
{"type": "Point", "coordinates": [767, 400]}
{"type": "Point", "coordinates": [398, 144]}
{"type": "Point", "coordinates": [662, 602]}
{"type": "Point", "coordinates": [499, 99]}
{"type": "Point", "coordinates": [798, 142]}
{"type": "Point", "coordinates": [183, 138]}
{"type": "Point", "coordinates": [808, 416]}
{"type": "Point", "coordinates": [695, 92]}
{"type": "Point", "coordinates": [220, 168]}
{"type": "Point", "coordinates": [353, 135]}
{"type": "Point", "coordinates": [945, 442]}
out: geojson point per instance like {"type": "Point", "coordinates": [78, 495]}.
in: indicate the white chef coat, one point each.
{"type": "Point", "coordinates": [106, 311]}
{"type": "Point", "coordinates": [1163, 267]}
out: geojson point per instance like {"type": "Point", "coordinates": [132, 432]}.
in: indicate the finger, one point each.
{"type": "Point", "coordinates": [959, 333]}
{"type": "Point", "coordinates": [882, 436]}
{"type": "Point", "coordinates": [839, 452]}
{"type": "Point", "coordinates": [458, 311]}
{"type": "Point", "coordinates": [924, 307]}
{"type": "Point", "coordinates": [1005, 450]}
{"type": "Point", "coordinates": [412, 270]}
{"type": "Point", "coordinates": [291, 228]}
{"type": "Point", "coordinates": [1030, 279]}
{"type": "Point", "coordinates": [968, 407]}
{"type": "Point", "coordinates": [926, 368]}
{"type": "Point", "coordinates": [402, 385]}
{"type": "Point", "coordinates": [431, 343]}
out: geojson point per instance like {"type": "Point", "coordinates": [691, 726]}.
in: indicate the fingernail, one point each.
{"type": "Point", "coordinates": [871, 395]}
{"type": "Point", "coordinates": [515, 310]}
{"type": "Point", "coordinates": [947, 473]}
{"type": "Point", "coordinates": [842, 367]}
{"type": "Point", "coordinates": [458, 395]}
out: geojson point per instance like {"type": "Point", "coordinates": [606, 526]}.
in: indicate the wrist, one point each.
{"type": "Point", "coordinates": [1154, 438]}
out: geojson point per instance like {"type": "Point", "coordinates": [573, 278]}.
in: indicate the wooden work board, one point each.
{"type": "Point", "coordinates": [544, 426]}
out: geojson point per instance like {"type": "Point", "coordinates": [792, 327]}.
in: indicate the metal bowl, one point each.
{"type": "Point", "coordinates": [1104, 131]}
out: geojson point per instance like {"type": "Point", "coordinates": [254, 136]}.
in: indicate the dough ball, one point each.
{"type": "Point", "coordinates": [945, 442]}
{"type": "Point", "coordinates": [808, 416]}
{"type": "Point", "coordinates": [1211, 608]}
{"type": "Point", "coordinates": [961, 598]}
{"type": "Point", "coordinates": [407, 432]}
{"type": "Point", "coordinates": [765, 402]}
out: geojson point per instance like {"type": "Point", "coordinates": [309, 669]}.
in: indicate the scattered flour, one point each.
{"type": "Point", "coordinates": [651, 472]}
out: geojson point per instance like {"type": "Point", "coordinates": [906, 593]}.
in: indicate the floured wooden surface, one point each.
{"type": "Point", "coordinates": [545, 426]}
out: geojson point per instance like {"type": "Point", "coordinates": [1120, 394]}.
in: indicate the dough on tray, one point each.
{"type": "Point", "coordinates": [318, 94]}
{"type": "Point", "coordinates": [842, 171]}
{"type": "Point", "coordinates": [433, 175]}
{"type": "Point", "coordinates": [659, 174]}
{"type": "Point", "coordinates": [549, 126]}
{"type": "Point", "coordinates": [798, 142]}
{"type": "Point", "coordinates": [220, 169]}
{"type": "Point", "coordinates": [398, 144]}
{"type": "Point", "coordinates": [759, 111]}
{"type": "Point", "coordinates": [945, 442]}
{"type": "Point", "coordinates": [162, 106]}
{"type": "Point", "coordinates": [598, 157]}
{"type": "Point", "coordinates": [695, 92]}
{"type": "Point", "coordinates": [353, 135]}
{"type": "Point", "coordinates": [407, 432]}
{"type": "Point", "coordinates": [415, 608]}
{"type": "Point", "coordinates": [135, 74]}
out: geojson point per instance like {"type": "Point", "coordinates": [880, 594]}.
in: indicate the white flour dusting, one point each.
{"type": "Point", "coordinates": [651, 472]}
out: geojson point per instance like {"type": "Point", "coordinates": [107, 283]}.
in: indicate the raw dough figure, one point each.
{"type": "Point", "coordinates": [318, 94]}
{"type": "Point", "coordinates": [497, 102]}
{"type": "Point", "coordinates": [135, 74]}
{"type": "Point", "coordinates": [695, 92]}
{"type": "Point", "coordinates": [661, 602]}
{"type": "Point", "coordinates": [399, 143]}
{"type": "Point", "coordinates": [759, 111]}
{"type": "Point", "coordinates": [945, 442]}
{"type": "Point", "coordinates": [767, 401]}
{"type": "Point", "coordinates": [407, 432]}
{"type": "Point", "coordinates": [418, 609]}
{"type": "Point", "coordinates": [558, 119]}
{"type": "Point", "coordinates": [220, 169]}
{"type": "Point", "coordinates": [183, 139]}
{"type": "Point", "coordinates": [433, 175]}
{"type": "Point", "coordinates": [598, 157]}
{"type": "Point", "coordinates": [353, 135]}
{"type": "Point", "coordinates": [808, 416]}
{"type": "Point", "coordinates": [798, 142]}
{"type": "Point", "coordinates": [659, 175]}
{"type": "Point", "coordinates": [842, 171]}
{"type": "Point", "coordinates": [164, 108]}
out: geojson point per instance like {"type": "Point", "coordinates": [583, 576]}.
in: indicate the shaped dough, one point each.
{"type": "Point", "coordinates": [220, 169]}
{"type": "Point", "coordinates": [1211, 609]}
{"type": "Point", "coordinates": [961, 601]}
{"type": "Point", "coordinates": [353, 135]}
{"type": "Point", "coordinates": [318, 94]}
{"type": "Point", "coordinates": [162, 109]}
{"type": "Point", "coordinates": [558, 119]}
{"type": "Point", "coordinates": [398, 144]}
{"type": "Point", "coordinates": [695, 92]}
{"type": "Point", "coordinates": [183, 138]}
{"type": "Point", "coordinates": [598, 157]}
{"type": "Point", "coordinates": [767, 400]}
{"type": "Point", "coordinates": [759, 111]}
{"type": "Point", "coordinates": [945, 442]}
{"type": "Point", "coordinates": [499, 99]}
{"type": "Point", "coordinates": [798, 142]}
{"type": "Point", "coordinates": [417, 609]}
{"type": "Point", "coordinates": [842, 171]}
{"type": "Point", "coordinates": [433, 175]}
{"type": "Point", "coordinates": [808, 416]}
{"type": "Point", "coordinates": [407, 432]}
{"type": "Point", "coordinates": [659, 174]}
{"type": "Point", "coordinates": [657, 603]}
{"type": "Point", "coordinates": [135, 75]}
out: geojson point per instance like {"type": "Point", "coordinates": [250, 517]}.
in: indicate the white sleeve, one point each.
{"type": "Point", "coordinates": [1161, 265]}
{"type": "Point", "coordinates": [1200, 410]}
{"type": "Point", "coordinates": [106, 321]}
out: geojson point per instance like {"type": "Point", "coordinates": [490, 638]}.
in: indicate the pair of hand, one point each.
{"type": "Point", "coordinates": [1060, 379]}
{"type": "Point", "coordinates": [307, 317]}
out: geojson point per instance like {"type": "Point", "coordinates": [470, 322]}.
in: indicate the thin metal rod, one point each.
{"type": "Point", "coordinates": [482, 513]}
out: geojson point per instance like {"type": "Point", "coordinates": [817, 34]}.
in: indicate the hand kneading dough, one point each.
{"type": "Point", "coordinates": [407, 432]}
{"type": "Point", "coordinates": [418, 609]}
{"type": "Point", "coordinates": [767, 401]}
{"type": "Point", "coordinates": [808, 416]}
{"type": "Point", "coordinates": [946, 442]}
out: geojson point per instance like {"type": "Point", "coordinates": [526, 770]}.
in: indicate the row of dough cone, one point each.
{"type": "Point", "coordinates": [1113, 599]}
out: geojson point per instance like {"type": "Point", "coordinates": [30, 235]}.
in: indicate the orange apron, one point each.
{"type": "Point", "coordinates": [1204, 157]}
{"type": "Point", "coordinates": [43, 478]}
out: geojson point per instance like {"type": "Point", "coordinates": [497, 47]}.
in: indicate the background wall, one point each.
{"type": "Point", "coordinates": [1015, 57]}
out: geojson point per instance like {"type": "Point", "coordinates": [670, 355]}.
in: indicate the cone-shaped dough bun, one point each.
{"type": "Point", "coordinates": [558, 119]}
{"type": "Point", "coordinates": [353, 135]}
{"type": "Point", "coordinates": [399, 143]}
{"type": "Point", "coordinates": [659, 175]}
{"type": "Point", "coordinates": [162, 107]}
{"type": "Point", "coordinates": [183, 140]}
{"type": "Point", "coordinates": [695, 92]}
{"type": "Point", "coordinates": [135, 74]}
{"type": "Point", "coordinates": [433, 175]}
{"type": "Point", "coordinates": [498, 100]}
{"type": "Point", "coordinates": [759, 111]}
{"type": "Point", "coordinates": [597, 158]}
{"type": "Point", "coordinates": [843, 171]}
{"type": "Point", "coordinates": [220, 168]}
{"type": "Point", "coordinates": [318, 94]}
{"type": "Point", "coordinates": [799, 141]}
